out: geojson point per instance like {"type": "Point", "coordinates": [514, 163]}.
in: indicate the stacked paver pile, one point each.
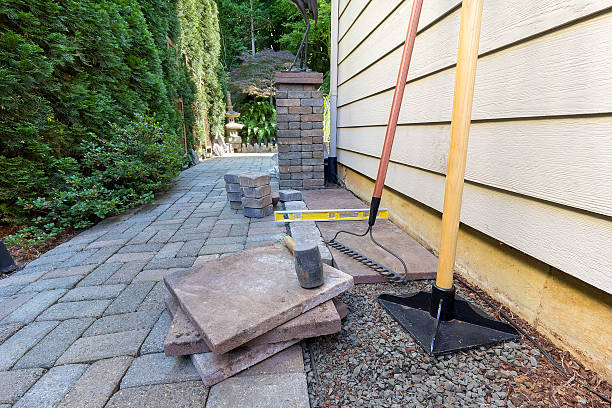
{"type": "Point", "coordinates": [238, 310]}
{"type": "Point", "coordinates": [256, 194]}
{"type": "Point", "coordinates": [299, 121]}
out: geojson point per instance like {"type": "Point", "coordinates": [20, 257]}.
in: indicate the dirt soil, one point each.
{"type": "Point", "coordinates": [23, 256]}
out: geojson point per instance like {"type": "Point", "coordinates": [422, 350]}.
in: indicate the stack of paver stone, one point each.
{"type": "Point", "coordinates": [256, 194]}
{"type": "Point", "coordinates": [232, 187]}
{"type": "Point", "coordinates": [238, 310]}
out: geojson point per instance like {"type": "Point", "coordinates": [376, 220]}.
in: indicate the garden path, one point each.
{"type": "Point", "coordinates": [84, 324]}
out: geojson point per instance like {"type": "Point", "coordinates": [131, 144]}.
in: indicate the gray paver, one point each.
{"type": "Point", "coordinates": [169, 250]}
{"type": "Point", "coordinates": [155, 298]}
{"type": "Point", "coordinates": [155, 340]}
{"type": "Point", "coordinates": [220, 249]}
{"type": "Point", "coordinates": [13, 384]}
{"type": "Point", "coordinates": [131, 257]}
{"type": "Point", "coordinates": [52, 387]}
{"type": "Point", "coordinates": [287, 390]}
{"type": "Point", "coordinates": [18, 279]}
{"type": "Point", "coordinates": [11, 290]}
{"type": "Point", "coordinates": [94, 348]}
{"type": "Point", "coordinates": [130, 298]}
{"type": "Point", "coordinates": [191, 248]}
{"type": "Point", "coordinates": [122, 323]}
{"type": "Point", "coordinates": [152, 247]}
{"type": "Point", "coordinates": [8, 330]}
{"type": "Point", "coordinates": [32, 308]}
{"type": "Point", "coordinates": [19, 343]}
{"type": "Point", "coordinates": [184, 262]}
{"type": "Point", "coordinates": [154, 275]}
{"type": "Point", "coordinates": [54, 283]}
{"type": "Point", "coordinates": [75, 310]}
{"type": "Point", "coordinates": [92, 293]}
{"type": "Point", "coordinates": [178, 395]}
{"type": "Point", "coordinates": [100, 274]}
{"type": "Point", "coordinates": [71, 271]}
{"type": "Point", "coordinates": [290, 360]}
{"type": "Point", "coordinates": [258, 212]}
{"type": "Point", "coordinates": [9, 304]}
{"type": "Point", "coordinates": [54, 344]}
{"type": "Point", "coordinates": [156, 368]}
{"type": "Point", "coordinates": [126, 273]}
{"type": "Point", "coordinates": [97, 384]}
{"type": "Point", "coordinates": [225, 240]}
{"type": "Point", "coordinates": [290, 195]}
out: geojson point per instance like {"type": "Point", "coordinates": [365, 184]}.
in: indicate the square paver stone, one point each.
{"type": "Point", "coordinates": [214, 368]}
{"type": "Point", "coordinates": [94, 348]}
{"type": "Point", "coordinates": [184, 339]}
{"type": "Point", "coordinates": [239, 297]}
{"type": "Point", "coordinates": [189, 394]}
{"type": "Point", "coordinates": [286, 390]}
{"type": "Point", "coordinates": [13, 384]}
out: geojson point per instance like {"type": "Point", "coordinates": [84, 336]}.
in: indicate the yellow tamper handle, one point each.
{"type": "Point", "coordinates": [290, 242]}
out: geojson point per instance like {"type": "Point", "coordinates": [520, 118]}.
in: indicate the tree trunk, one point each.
{"type": "Point", "coordinates": [252, 32]}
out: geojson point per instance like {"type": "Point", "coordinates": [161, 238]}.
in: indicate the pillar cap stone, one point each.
{"type": "Point", "coordinates": [291, 77]}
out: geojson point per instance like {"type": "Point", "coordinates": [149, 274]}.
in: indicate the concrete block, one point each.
{"type": "Point", "coordinates": [224, 319]}
{"type": "Point", "coordinates": [52, 387]}
{"type": "Point", "coordinates": [232, 177]}
{"type": "Point", "coordinates": [33, 307]}
{"type": "Point", "coordinates": [288, 102]}
{"type": "Point", "coordinates": [49, 349]}
{"type": "Point", "coordinates": [82, 293]}
{"type": "Point", "coordinates": [130, 298]}
{"type": "Point", "coordinates": [298, 94]}
{"type": "Point", "coordinates": [100, 274]}
{"type": "Point", "coordinates": [9, 304]}
{"type": "Point", "coordinates": [123, 322]}
{"type": "Point", "coordinates": [214, 368]}
{"type": "Point", "coordinates": [288, 133]}
{"type": "Point", "coordinates": [75, 310]}
{"type": "Point", "coordinates": [126, 273]}
{"type": "Point", "coordinates": [259, 212]}
{"type": "Point", "coordinates": [13, 384]}
{"type": "Point", "coordinates": [300, 110]}
{"type": "Point", "coordinates": [290, 195]}
{"type": "Point", "coordinates": [253, 179]}
{"type": "Point", "coordinates": [234, 196]}
{"type": "Point", "coordinates": [282, 110]}
{"type": "Point", "coordinates": [255, 192]}
{"type": "Point", "coordinates": [287, 390]}
{"type": "Point", "coordinates": [95, 348]}
{"type": "Point", "coordinates": [97, 383]}
{"type": "Point", "coordinates": [249, 202]}
{"type": "Point", "coordinates": [232, 187]}
{"type": "Point", "coordinates": [236, 205]}
{"type": "Point", "coordinates": [275, 197]}
{"type": "Point", "coordinates": [54, 283]}
{"type": "Point", "coordinates": [157, 368]}
{"type": "Point", "coordinates": [183, 394]}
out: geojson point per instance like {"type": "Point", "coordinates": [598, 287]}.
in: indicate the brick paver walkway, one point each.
{"type": "Point", "coordinates": [84, 324]}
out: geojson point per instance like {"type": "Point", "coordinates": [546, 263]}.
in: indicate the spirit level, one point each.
{"type": "Point", "coordinates": [328, 215]}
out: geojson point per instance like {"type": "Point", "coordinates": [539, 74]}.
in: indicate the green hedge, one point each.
{"type": "Point", "coordinates": [77, 72]}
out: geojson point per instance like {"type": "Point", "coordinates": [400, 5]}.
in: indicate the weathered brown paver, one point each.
{"type": "Point", "coordinates": [239, 297]}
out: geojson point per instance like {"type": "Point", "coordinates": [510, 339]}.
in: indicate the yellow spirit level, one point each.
{"type": "Point", "coordinates": [328, 215]}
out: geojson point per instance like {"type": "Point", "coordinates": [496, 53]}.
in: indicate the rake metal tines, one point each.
{"type": "Point", "coordinates": [370, 263]}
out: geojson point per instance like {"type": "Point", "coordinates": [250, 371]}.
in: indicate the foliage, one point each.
{"type": "Point", "coordinates": [116, 174]}
{"type": "Point", "coordinates": [259, 118]}
{"type": "Point", "coordinates": [72, 72]}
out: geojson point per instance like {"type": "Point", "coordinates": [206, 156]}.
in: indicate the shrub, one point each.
{"type": "Point", "coordinates": [116, 174]}
{"type": "Point", "coordinates": [259, 119]}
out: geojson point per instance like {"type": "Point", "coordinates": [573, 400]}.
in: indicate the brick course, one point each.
{"type": "Point", "coordinates": [300, 130]}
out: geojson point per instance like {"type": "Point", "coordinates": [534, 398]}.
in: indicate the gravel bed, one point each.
{"type": "Point", "coordinates": [373, 362]}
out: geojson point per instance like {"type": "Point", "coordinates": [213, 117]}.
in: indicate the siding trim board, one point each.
{"type": "Point", "coordinates": [571, 241]}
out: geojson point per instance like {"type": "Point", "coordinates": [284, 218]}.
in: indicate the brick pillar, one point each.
{"type": "Point", "coordinates": [299, 121]}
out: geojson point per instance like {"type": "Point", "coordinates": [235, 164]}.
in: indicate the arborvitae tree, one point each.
{"type": "Point", "coordinates": [72, 69]}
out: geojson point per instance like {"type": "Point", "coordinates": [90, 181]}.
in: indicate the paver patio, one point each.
{"type": "Point", "coordinates": [84, 324]}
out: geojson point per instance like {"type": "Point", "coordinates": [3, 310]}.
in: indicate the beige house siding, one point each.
{"type": "Point", "coordinates": [540, 154]}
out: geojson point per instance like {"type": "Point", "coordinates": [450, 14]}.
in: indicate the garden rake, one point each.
{"type": "Point", "coordinates": [384, 160]}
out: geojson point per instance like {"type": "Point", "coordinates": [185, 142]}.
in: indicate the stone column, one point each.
{"type": "Point", "coordinates": [299, 121]}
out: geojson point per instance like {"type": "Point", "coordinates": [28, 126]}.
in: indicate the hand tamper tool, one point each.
{"type": "Point", "coordinates": [438, 321]}
{"type": "Point", "coordinates": [308, 264]}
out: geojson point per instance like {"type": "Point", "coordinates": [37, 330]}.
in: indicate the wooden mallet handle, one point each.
{"type": "Point", "coordinates": [290, 242]}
